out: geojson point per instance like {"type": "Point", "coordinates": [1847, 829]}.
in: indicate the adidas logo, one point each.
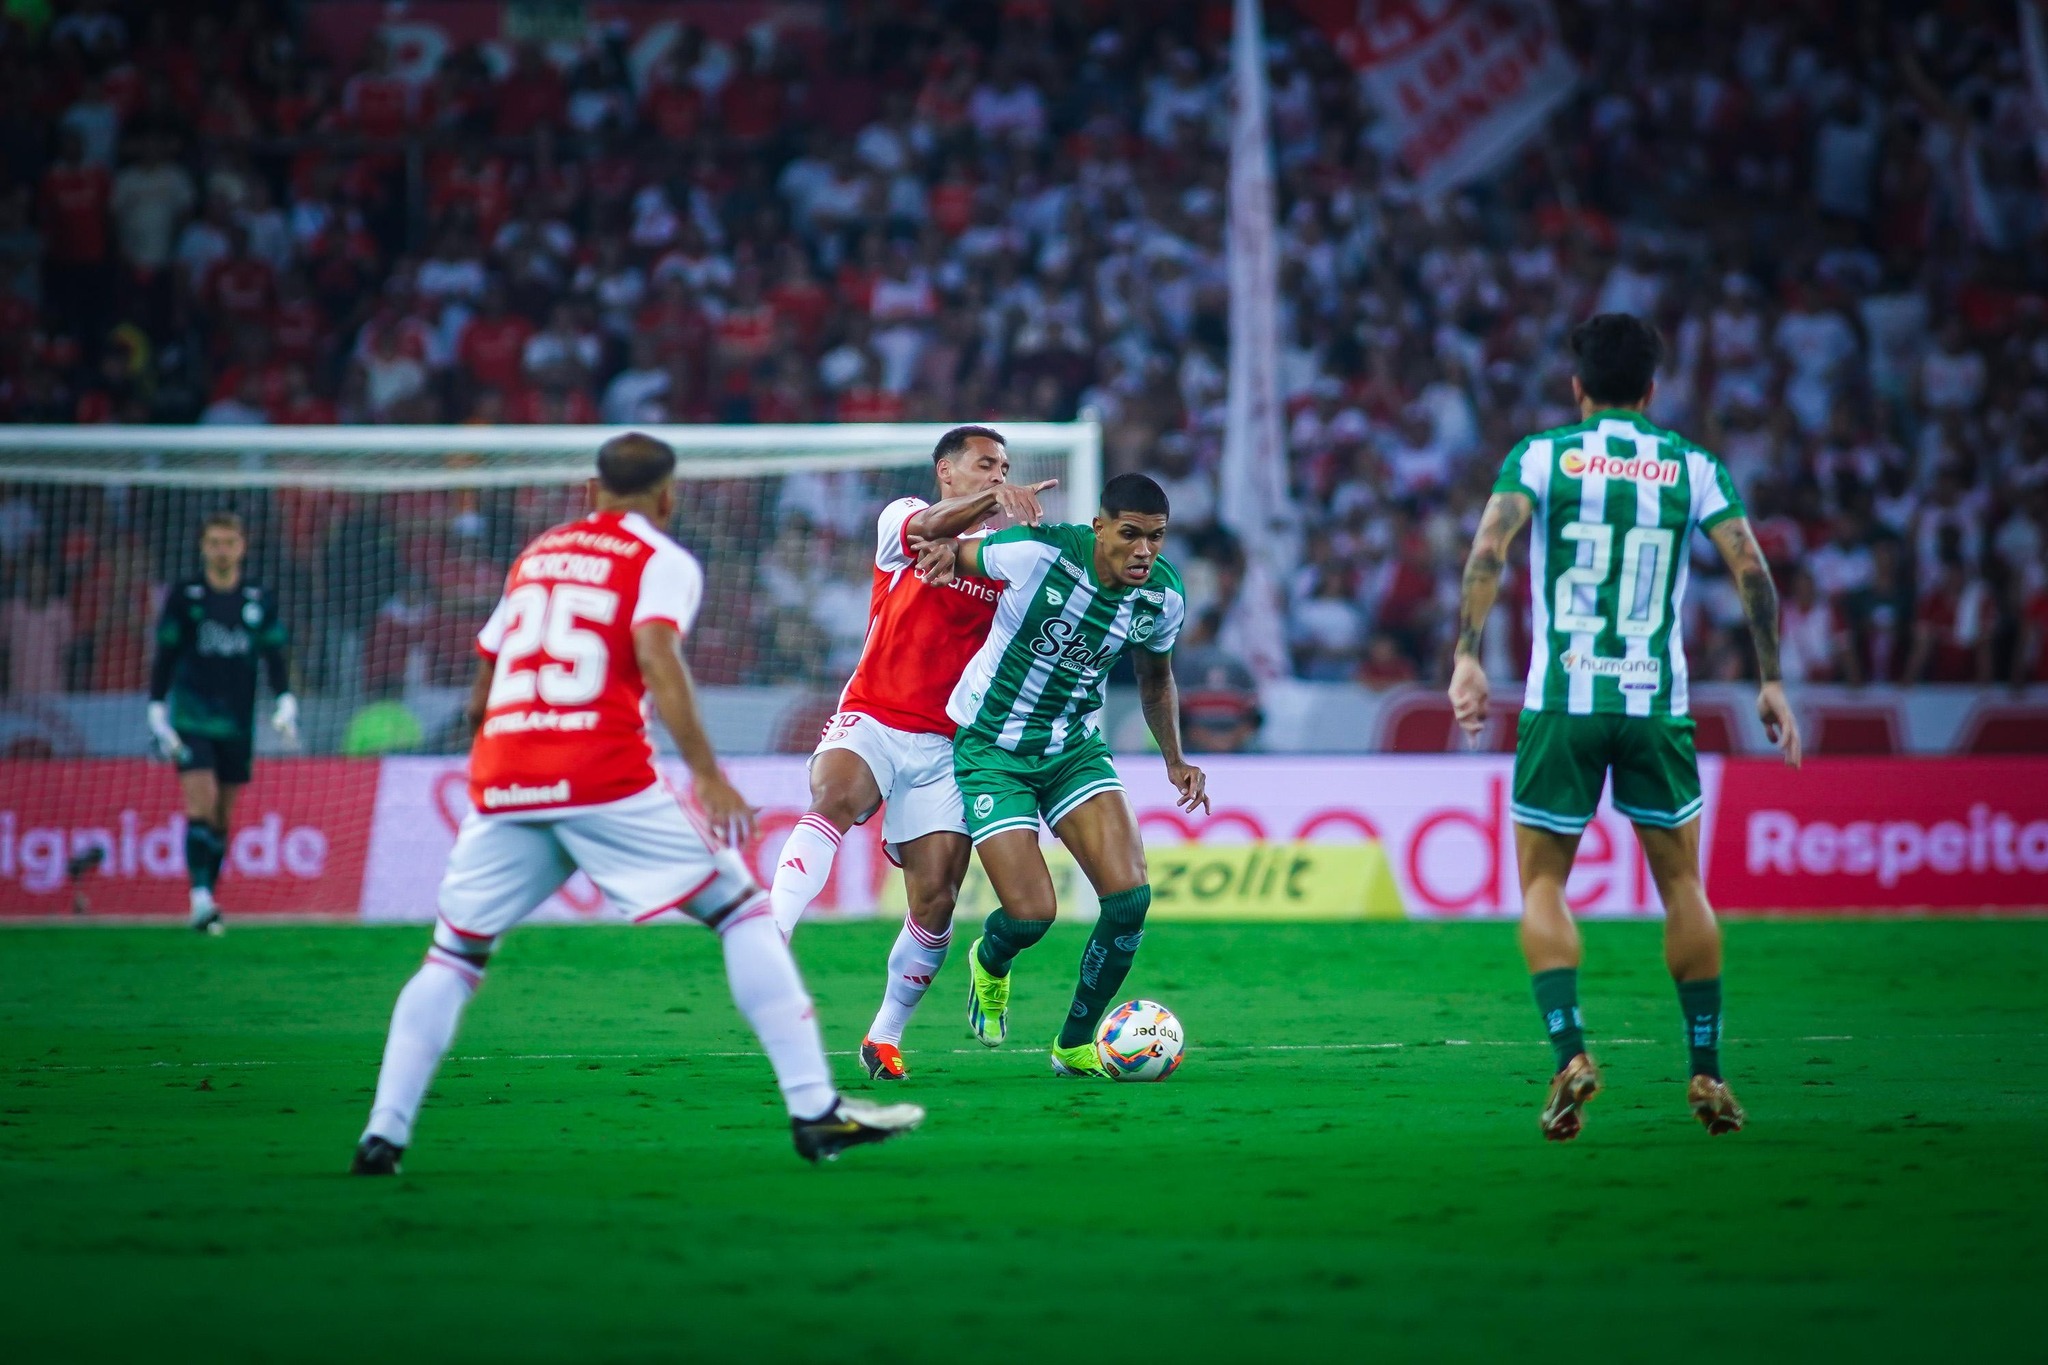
{"type": "Point", "coordinates": [798, 864]}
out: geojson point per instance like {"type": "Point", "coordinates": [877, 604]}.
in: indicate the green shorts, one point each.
{"type": "Point", "coordinates": [1561, 761]}
{"type": "Point", "coordinates": [1004, 791]}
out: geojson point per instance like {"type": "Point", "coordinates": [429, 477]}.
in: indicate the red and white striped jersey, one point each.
{"type": "Point", "coordinates": [919, 637]}
{"type": "Point", "coordinates": [563, 724]}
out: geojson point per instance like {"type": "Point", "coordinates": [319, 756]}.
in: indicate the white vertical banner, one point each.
{"type": "Point", "coordinates": [1253, 480]}
{"type": "Point", "coordinates": [2034, 47]}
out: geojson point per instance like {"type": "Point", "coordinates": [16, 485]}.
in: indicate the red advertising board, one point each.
{"type": "Point", "coordinates": [357, 837]}
{"type": "Point", "coordinates": [301, 832]}
{"type": "Point", "coordinates": [1885, 835]}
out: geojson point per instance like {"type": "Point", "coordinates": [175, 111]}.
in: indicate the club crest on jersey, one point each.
{"type": "Point", "coordinates": [1143, 626]}
{"type": "Point", "coordinates": [1578, 464]}
{"type": "Point", "coordinates": [252, 614]}
{"type": "Point", "coordinates": [984, 805]}
{"type": "Point", "coordinates": [1634, 675]}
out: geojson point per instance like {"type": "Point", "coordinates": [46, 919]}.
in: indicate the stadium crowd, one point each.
{"type": "Point", "coordinates": [955, 212]}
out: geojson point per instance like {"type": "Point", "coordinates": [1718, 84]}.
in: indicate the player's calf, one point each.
{"type": "Point", "coordinates": [1707, 1094]}
{"type": "Point", "coordinates": [423, 1025]}
{"type": "Point", "coordinates": [1105, 963]}
{"type": "Point", "coordinates": [914, 962]}
{"type": "Point", "coordinates": [206, 848]}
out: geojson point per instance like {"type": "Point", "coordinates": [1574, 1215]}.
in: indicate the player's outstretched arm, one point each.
{"type": "Point", "coordinates": [170, 643]}
{"type": "Point", "coordinates": [1745, 559]}
{"type": "Point", "coordinates": [1160, 698]}
{"type": "Point", "coordinates": [277, 669]}
{"type": "Point", "coordinates": [956, 516]}
{"type": "Point", "coordinates": [658, 647]}
{"type": "Point", "coordinates": [1505, 516]}
{"type": "Point", "coordinates": [939, 560]}
{"type": "Point", "coordinates": [479, 696]}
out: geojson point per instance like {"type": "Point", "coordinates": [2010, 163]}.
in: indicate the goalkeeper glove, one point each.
{"type": "Point", "coordinates": [165, 735]}
{"type": "Point", "coordinates": [285, 719]}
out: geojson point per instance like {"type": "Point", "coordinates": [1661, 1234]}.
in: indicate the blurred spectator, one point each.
{"type": "Point", "coordinates": [1838, 225]}
{"type": "Point", "coordinates": [36, 633]}
{"type": "Point", "coordinates": [1219, 703]}
{"type": "Point", "coordinates": [383, 725]}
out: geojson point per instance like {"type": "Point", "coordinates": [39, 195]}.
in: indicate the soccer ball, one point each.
{"type": "Point", "coordinates": [1139, 1040]}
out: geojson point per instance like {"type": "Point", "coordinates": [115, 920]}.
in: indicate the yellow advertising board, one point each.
{"type": "Point", "coordinates": [1261, 881]}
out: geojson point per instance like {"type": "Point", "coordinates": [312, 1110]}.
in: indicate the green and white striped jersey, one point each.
{"type": "Point", "coordinates": [1616, 501]}
{"type": "Point", "coordinates": [1036, 683]}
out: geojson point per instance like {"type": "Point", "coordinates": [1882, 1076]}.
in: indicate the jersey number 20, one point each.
{"type": "Point", "coordinates": [1645, 573]}
{"type": "Point", "coordinates": [548, 625]}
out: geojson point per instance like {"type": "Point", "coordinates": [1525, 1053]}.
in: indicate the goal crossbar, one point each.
{"type": "Point", "coordinates": [341, 457]}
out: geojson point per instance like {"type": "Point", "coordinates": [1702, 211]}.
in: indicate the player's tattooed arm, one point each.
{"type": "Point", "coordinates": [1471, 696]}
{"type": "Point", "coordinates": [1737, 544]}
{"type": "Point", "coordinates": [1159, 698]}
{"type": "Point", "coordinates": [1745, 559]}
{"type": "Point", "coordinates": [1499, 524]}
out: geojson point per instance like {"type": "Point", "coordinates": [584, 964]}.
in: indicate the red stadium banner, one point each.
{"type": "Point", "coordinates": [302, 831]}
{"type": "Point", "coordinates": [1856, 836]}
{"type": "Point", "coordinates": [1425, 837]}
{"type": "Point", "coordinates": [1459, 85]}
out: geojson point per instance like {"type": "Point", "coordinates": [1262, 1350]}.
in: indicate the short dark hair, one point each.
{"type": "Point", "coordinates": [222, 520]}
{"type": "Point", "coordinates": [634, 463]}
{"type": "Point", "coordinates": [1616, 356]}
{"type": "Point", "coordinates": [1133, 493]}
{"type": "Point", "coordinates": [955, 441]}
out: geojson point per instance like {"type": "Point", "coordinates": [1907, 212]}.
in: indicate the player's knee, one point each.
{"type": "Point", "coordinates": [931, 907]}
{"type": "Point", "coordinates": [841, 801]}
{"type": "Point", "coordinates": [474, 949]}
{"type": "Point", "coordinates": [731, 895]}
{"type": "Point", "coordinates": [1128, 908]}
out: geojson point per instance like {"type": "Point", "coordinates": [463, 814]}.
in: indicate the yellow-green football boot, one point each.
{"type": "Point", "coordinates": [988, 1000]}
{"type": "Point", "coordinates": [1079, 1060]}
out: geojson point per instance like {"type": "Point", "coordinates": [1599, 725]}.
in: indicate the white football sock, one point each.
{"type": "Point", "coordinates": [422, 1026]}
{"type": "Point", "coordinates": [913, 962]}
{"type": "Point", "coordinates": [768, 991]}
{"type": "Point", "coordinates": [801, 870]}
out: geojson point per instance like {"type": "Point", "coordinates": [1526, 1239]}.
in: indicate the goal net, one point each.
{"type": "Point", "coordinates": [385, 548]}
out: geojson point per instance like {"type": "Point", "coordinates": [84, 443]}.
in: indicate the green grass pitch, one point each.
{"type": "Point", "coordinates": [1347, 1167]}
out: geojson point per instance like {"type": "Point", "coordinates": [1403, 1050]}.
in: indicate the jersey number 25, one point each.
{"type": "Point", "coordinates": [547, 651]}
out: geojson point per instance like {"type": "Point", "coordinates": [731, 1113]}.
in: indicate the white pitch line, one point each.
{"type": "Point", "coordinates": [981, 1051]}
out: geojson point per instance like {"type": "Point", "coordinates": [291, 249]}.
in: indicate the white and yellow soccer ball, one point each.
{"type": "Point", "coordinates": [1140, 1040]}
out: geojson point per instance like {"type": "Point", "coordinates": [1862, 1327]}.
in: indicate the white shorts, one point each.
{"type": "Point", "coordinates": [645, 852]}
{"type": "Point", "coordinates": [914, 771]}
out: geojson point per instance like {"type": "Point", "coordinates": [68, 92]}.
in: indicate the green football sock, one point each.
{"type": "Point", "coordinates": [204, 849]}
{"type": "Point", "coordinates": [1557, 1000]}
{"type": "Point", "coordinates": [1106, 961]}
{"type": "Point", "coordinates": [1701, 1001]}
{"type": "Point", "coordinates": [1003, 937]}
